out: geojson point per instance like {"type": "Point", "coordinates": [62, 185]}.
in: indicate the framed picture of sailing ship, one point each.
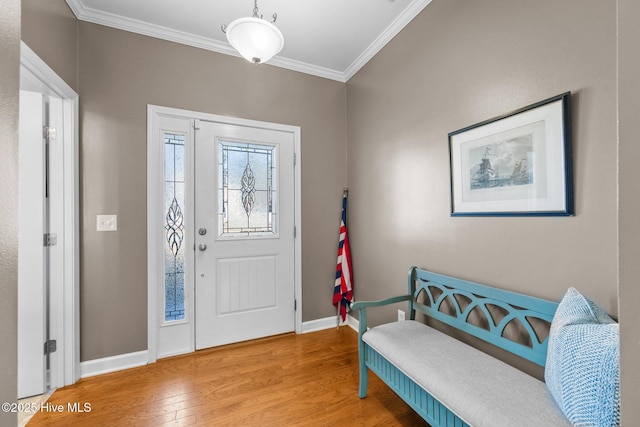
{"type": "Point", "coordinates": [518, 164]}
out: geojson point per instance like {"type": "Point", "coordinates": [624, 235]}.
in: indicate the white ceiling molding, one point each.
{"type": "Point", "coordinates": [135, 26]}
{"type": "Point", "coordinates": [303, 67]}
{"type": "Point", "coordinates": [385, 37]}
{"type": "Point", "coordinates": [95, 16]}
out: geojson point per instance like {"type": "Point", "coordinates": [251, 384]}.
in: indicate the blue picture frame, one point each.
{"type": "Point", "coordinates": [518, 164]}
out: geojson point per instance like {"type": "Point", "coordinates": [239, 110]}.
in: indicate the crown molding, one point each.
{"type": "Point", "coordinates": [84, 13]}
{"type": "Point", "coordinates": [140, 27]}
{"type": "Point", "coordinates": [76, 7]}
{"type": "Point", "coordinates": [386, 36]}
{"type": "Point", "coordinates": [303, 67]}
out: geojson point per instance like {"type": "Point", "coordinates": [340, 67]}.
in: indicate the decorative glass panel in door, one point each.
{"type": "Point", "coordinates": [174, 225]}
{"type": "Point", "coordinates": [247, 194]}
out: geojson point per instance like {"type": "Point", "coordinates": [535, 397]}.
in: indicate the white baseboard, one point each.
{"type": "Point", "coordinates": [106, 365]}
{"type": "Point", "coordinates": [353, 323]}
{"type": "Point", "coordinates": [319, 324]}
{"type": "Point", "coordinates": [327, 323]}
{"type": "Point", "coordinates": [113, 364]}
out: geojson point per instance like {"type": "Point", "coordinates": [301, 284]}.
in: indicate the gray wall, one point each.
{"type": "Point", "coordinates": [120, 73]}
{"type": "Point", "coordinates": [459, 63]}
{"type": "Point", "coordinates": [9, 89]}
{"type": "Point", "coordinates": [629, 206]}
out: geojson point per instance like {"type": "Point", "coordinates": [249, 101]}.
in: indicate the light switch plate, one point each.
{"type": "Point", "coordinates": [107, 223]}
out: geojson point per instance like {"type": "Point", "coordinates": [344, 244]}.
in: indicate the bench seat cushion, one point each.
{"type": "Point", "coordinates": [480, 389]}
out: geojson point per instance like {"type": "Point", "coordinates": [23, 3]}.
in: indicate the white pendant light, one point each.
{"type": "Point", "coordinates": [255, 39]}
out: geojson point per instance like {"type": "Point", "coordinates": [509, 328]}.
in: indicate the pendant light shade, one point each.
{"type": "Point", "coordinates": [255, 39]}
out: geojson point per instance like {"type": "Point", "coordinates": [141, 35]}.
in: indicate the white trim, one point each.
{"type": "Point", "coordinates": [95, 16]}
{"type": "Point", "coordinates": [106, 365]}
{"type": "Point", "coordinates": [141, 358]}
{"type": "Point", "coordinates": [36, 75]}
{"type": "Point", "coordinates": [319, 324]}
{"type": "Point", "coordinates": [154, 199]}
{"type": "Point", "coordinates": [154, 258]}
{"type": "Point", "coordinates": [297, 220]}
{"type": "Point", "coordinates": [124, 23]}
{"type": "Point", "coordinates": [41, 76]}
{"type": "Point", "coordinates": [353, 323]}
{"type": "Point", "coordinates": [328, 323]}
{"type": "Point", "coordinates": [385, 37]}
{"type": "Point", "coordinates": [303, 67]}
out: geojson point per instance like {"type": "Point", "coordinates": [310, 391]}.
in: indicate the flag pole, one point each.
{"type": "Point", "coordinates": [345, 193]}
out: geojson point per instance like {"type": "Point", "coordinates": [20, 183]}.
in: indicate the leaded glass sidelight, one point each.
{"type": "Point", "coordinates": [174, 227]}
{"type": "Point", "coordinates": [246, 190]}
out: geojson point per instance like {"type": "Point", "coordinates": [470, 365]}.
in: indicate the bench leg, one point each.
{"type": "Point", "coordinates": [364, 372]}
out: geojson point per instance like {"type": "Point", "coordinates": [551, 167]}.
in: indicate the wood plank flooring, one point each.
{"type": "Point", "coordinates": [288, 380]}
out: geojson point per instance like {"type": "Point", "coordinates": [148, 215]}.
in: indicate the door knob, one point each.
{"type": "Point", "coordinates": [202, 247]}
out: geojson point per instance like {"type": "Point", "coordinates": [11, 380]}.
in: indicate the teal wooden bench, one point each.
{"type": "Point", "coordinates": [450, 383]}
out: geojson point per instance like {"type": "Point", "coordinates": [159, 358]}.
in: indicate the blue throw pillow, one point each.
{"type": "Point", "coordinates": [583, 362]}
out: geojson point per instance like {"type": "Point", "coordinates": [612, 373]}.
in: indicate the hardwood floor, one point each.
{"type": "Point", "coordinates": [288, 380]}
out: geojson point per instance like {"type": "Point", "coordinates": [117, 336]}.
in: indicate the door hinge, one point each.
{"type": "Point", "coordinates": [195, 125]}
{"type": "Point", "coordinates": [295, 159]}
{"type": "Point", "coordinates": [49, 133]}
{"type": "Point", "coordinates": [50, 347]}
{"type": "Point", "coordinates": [50, 239]}
{"type": "Point", "coordinates": [295, 304]}
{"type": "Point", "coordinates": [295, 231]}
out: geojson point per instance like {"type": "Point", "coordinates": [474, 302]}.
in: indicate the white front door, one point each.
{"type": "Point", "coordinates": [244, 233]}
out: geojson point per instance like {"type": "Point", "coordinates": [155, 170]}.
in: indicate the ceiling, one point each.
{"type": "Point", "coordinates": [327, 38]}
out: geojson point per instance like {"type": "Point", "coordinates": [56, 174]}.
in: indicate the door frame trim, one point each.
{"type": "Point", "coordinates": [154, 203]}
{"type": "Point", "coordinates": [36, 75]}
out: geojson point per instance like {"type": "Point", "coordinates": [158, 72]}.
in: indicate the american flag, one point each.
{"type": "Point", "coordinates": [343, 290]}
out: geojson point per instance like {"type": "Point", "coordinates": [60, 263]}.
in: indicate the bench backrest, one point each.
{"type": "Point", "coordinates": [514, 322]}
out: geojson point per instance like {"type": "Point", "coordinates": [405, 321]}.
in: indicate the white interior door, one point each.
{"type": "Point", "coordinates": [244, 233]}
{"type": "Point", "coordinates": [31, 250]}
{"type": "Point", "coordinates": [37, 79]}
